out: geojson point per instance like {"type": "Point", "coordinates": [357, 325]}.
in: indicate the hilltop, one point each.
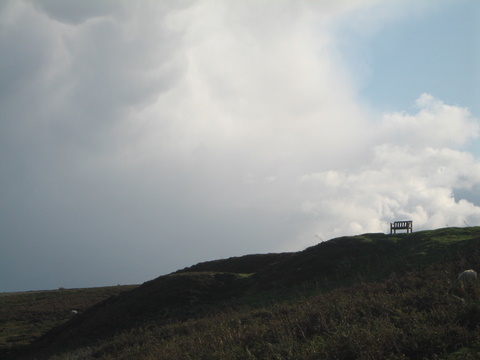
{"type": "Point", "coordinates": [396, 294]}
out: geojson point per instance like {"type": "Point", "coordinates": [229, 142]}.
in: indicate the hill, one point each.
{"type": "Point", "coordinates": [25, 316]}
{"type": "Point", "coordinates": [247, 264]}
{"type": "Point", "coordinates": [371, 296]}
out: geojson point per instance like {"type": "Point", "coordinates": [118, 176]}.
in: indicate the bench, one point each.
{"type": "Point", "coordinates": [401, 225]}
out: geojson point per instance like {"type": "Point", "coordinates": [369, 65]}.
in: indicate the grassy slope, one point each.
{"type": "Point", "coordinates": [164, 300]}
{"type": "Point", "coordinates": [247, 264]}
{"type": "Point", "coordinates": [345, 260]}
{"type": "Point", "coordinates": [158, 309]}
{"type": "Point", "coordinates": [25, 316]}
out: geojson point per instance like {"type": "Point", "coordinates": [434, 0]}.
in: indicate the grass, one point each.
{"type": "Point", "coordinates": [25, 316]}
{"type": "Point", "coordinates": [367, 297]}
{"type": "Point", "coordinates": [416, 316]}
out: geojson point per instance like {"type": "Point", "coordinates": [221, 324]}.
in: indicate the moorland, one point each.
{"type": "Point", "coordinates": [370, 296]}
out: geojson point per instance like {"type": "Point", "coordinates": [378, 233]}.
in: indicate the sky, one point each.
{"type": "Point", "coordinates": [138, 138]}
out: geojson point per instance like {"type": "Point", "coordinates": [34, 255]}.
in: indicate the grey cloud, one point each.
{"type": "Point", "coordinates": [472, 194]}
{"type": "Point", "coordinates": [79, 81]}
{"type": "Point", "coordinates": [116, 68]}
{"type": "Point", "coordinates": [25, 49]}
{"type": "Point", "coordinates": [74, 12]}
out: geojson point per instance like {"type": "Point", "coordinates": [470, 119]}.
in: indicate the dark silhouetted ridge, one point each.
{"type": "Point", "coordinates": [241, 265]}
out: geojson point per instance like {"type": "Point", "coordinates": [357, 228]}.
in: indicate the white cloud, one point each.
{"type": "Point", "coordinates": [415, 180]}
{"type": "Point", "coordinates": [436, 124]}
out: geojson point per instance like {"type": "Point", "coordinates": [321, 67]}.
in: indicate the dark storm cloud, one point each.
{"type": "Point", "coordinates": [74, 12]}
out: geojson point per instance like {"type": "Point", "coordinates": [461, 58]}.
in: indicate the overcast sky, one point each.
{"type": "Point", "coordinates": [141, 137]}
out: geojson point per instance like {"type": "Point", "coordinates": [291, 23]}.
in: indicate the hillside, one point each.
{"type": "Point", "coordinates": [247, 264]}
{"type": "Point", "coordinates": [397, 292]}
{"type": "Point", "coordinates": [349, 259]}
{"type": "Point", "coordinates": [25, 316]}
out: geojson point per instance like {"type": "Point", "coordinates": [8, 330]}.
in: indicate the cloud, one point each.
{"type": "Point", "coordinates": [138, 138]}
{"type": "Point", "coordinates": [413, 174]}
{"type": "Point", "coordinates": [74, 12]}
{"type": "Point", "coordinates": [436, 124]}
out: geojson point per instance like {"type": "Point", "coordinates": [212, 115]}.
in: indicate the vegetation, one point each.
{"type": "Point", "coordinates": [26, 316]}
{"type": "Point", "coordinates": [371, 296]}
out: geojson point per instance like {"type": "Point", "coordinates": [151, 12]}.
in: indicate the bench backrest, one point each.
{"type": "Point", "coordinates": [401, 225]}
